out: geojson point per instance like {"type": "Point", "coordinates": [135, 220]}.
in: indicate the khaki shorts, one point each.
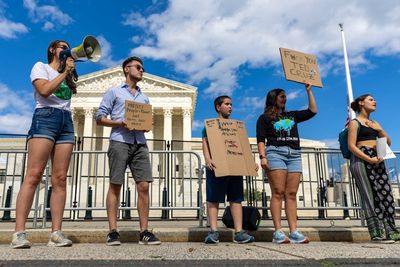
{"type": "Point", "coordinates": [136, 156]}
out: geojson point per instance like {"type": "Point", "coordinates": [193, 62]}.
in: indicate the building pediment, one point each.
{"type": "Point", "coordinates": [92, 86]}
{"type": "Point", "coordinates": [100, 81]}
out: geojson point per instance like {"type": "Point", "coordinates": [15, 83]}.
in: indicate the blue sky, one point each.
{"type": "Point", "coordinates": [221, 47]}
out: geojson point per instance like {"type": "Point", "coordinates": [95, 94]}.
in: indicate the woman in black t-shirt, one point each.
{"type": "Point", "coordinates": [281, 159]}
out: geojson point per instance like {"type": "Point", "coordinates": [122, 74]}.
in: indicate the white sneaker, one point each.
{"type": "Point", "coordinates": [57, 239]}
{"type": "Point", "coordinates": [382, 240]}
{"type": "Point", "coordinates": [19, 240]}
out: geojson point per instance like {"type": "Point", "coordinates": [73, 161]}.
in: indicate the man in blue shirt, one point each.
{"type": "Point", "coordinates": [127, 148]}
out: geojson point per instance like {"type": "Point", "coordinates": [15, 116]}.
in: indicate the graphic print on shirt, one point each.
{"type": "Point", "coordinates": [285, 125]}
{"type": "Point", "coordinates": [63, 91]}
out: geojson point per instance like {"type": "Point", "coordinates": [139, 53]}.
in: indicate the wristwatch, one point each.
{"type": "Point", "coordinates": [262, 157]}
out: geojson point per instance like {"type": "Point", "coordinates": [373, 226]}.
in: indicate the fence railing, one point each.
{"type": "Point", "coordinates": [327, 190]}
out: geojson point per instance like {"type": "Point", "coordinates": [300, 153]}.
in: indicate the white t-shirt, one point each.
{"type": "Point", "coordinates": [45, 72]}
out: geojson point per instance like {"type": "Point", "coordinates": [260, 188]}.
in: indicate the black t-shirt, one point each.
{"type": "Point", "coordinates": [282, 131]}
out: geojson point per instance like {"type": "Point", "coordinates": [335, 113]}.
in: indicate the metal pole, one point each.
{"type": "Point", "coordinates": [348, 78]}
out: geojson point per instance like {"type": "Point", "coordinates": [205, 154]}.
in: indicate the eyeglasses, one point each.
{"type": "Point", "coordinates": [63, 47]}
{"type": "Point", "coordinates": [138, 67]}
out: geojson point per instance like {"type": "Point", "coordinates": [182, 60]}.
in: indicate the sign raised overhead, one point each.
{"type": "Point", "coordinates": [230, 148]}
{"type": "Point", "coordinates": [138, 116]}
{"type": "Point", "coordinates": [300, 67]}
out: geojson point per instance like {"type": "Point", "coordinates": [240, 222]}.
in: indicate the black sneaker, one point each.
{"type": "Point", "coordinates": [148, 238]}
{"type": "Point", "coordinates": [113, 238]}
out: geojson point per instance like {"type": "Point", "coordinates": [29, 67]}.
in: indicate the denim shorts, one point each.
{"type": "Point", "coordinates": [219, 187]}
{"type": "Point", "coordinates": [283, 158]}
{"type": "Point", "coordinates": [52, 123]}
{"type": "Point", "coordinates": [136, 156]}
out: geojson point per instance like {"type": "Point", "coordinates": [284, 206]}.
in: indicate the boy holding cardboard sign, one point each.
{"type": "Point", "coordinates": [127, 148]}
{"type": "Point", "coordinates": [219, 187]}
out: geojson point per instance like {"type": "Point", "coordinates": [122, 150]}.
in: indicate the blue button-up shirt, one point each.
{"type": "Point", "coordinates": [113, 104]}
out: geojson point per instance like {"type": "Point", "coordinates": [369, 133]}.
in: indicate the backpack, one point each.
{"type": "Point", "coordinates": [251, 218]}
{"type": "Point", "coordinates": [344, 146]}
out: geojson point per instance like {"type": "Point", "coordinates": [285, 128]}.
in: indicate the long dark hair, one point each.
{"type": "Point", "coordinates": [270, 108]}
{"type": "Point", "coordinates": [50, 57]}
{"type": "Point", "coordinates": [355, 105]}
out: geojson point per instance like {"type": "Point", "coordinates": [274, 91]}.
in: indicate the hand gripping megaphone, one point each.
{"type": "Point", "coordinates": [89, 49]}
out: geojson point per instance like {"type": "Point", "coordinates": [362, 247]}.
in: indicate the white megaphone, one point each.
{"type": "Point", "coordinates": [89, 49]}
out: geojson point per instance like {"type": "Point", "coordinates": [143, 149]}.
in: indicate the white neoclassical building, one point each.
{"type": "Point", "coordinates": [172, 103]}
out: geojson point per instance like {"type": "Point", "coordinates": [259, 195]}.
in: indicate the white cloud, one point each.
{"type": "Point", "coordinates": [135, 19]}
{"type": "Point", "coordinates": [211, 41]}
{"type": "Point", "coordinates": [106, 53]}
{"type": "Point", "coordinates": [15, 114]}
{"type": "Point", "coordinates": [331, 143]}
{"type": "Point", "coordinates": [250, 103]}
{"type": "Point", "coordinates": [13, 123]}
{"type": "Point", "coordinates": [197, 125]}
{"type": "Point", "coordinates": [293, 95]}
{"type": "Point", "coordinates": [9, 29]}
{"type": "Point", "coordinates": [50, 16]}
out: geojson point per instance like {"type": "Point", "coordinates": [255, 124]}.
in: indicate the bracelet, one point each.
{"type": "Point", "coordinates": [262, 157]}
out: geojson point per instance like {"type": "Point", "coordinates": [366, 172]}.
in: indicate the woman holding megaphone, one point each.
{"type": "Point", "coordinates": [51, 136]}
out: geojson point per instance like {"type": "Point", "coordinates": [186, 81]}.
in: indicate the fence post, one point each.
{"type": "Point", "coordinates": [264, 205]}
{"type": "Point", "coordinates": [164, 213]}
{"type": "Point", "coordinates": [48, 212]}
{"type": "Point", "coordinates": [128, 204]}
{"type": "Point", "coordinates": [7, 213]}
{"type": "Point", "coordinates": [198, 204]}
{"type": "Point", "coordinates": [345, 211]}
{"type": "Point", "coordinates": [321, 202]}
{"type": "Point", "coordinates": [88, 213]}
{"type": "Point", "coordinates": [165, 203]}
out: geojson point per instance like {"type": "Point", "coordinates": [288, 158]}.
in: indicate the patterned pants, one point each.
{"type": "Point", "coordinates": [376, 194]}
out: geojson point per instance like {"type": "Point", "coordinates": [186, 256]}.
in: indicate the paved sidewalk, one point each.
{"type": "Point", "coordinates": [199, 254]}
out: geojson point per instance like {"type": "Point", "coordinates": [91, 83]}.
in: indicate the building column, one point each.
{"type": "Point", "coordinates": [167, 124]}
{"type": "Point", "coordinates": [187, 137]}
{"type": "Point", "coordinates": [150, 135]}
{"type": "Point", "coordinates": [187, 124]}
{"type": "Point", "coordinates": [88, 128]}
{"type": "Point", "coordinates": [106, 137]}
{"type": "Point", "coordinates": [75, 120]}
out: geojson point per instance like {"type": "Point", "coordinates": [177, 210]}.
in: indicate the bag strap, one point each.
{"type": "Point", "coordinates": [359, 125]}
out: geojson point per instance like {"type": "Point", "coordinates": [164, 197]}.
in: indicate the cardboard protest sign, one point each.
{"type": "Point", "coordinates": [230, 148]}
{"type": "Point", "coordinates": [300, 67]}
{"type": "Point", "coordinates": [138, 116]}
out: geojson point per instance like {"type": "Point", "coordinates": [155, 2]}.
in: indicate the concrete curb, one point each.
{"type": "Point", "coordinates": [192, 234]}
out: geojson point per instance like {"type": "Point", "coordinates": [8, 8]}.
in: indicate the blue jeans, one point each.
{"type": "Point", "coordinates": [52, 123]}
{"type": "Point", "coordinates": [283, 158]}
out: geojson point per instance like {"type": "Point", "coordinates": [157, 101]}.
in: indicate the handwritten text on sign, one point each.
{"type": "Point", "coordinates": [138, 116]}
{"type": "Point", "coordinates": [300, 67]}
{"type": "Point", "coordinates": [230, 148]}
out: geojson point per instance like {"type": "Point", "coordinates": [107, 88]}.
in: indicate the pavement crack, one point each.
{"type": "Point", "coordinates": [281, 252]}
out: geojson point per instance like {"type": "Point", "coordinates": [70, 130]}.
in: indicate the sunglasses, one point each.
{"type": "Point", "coordinates": [64, 47]}
{"type": "Point", "coordinates": [138, 67]}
